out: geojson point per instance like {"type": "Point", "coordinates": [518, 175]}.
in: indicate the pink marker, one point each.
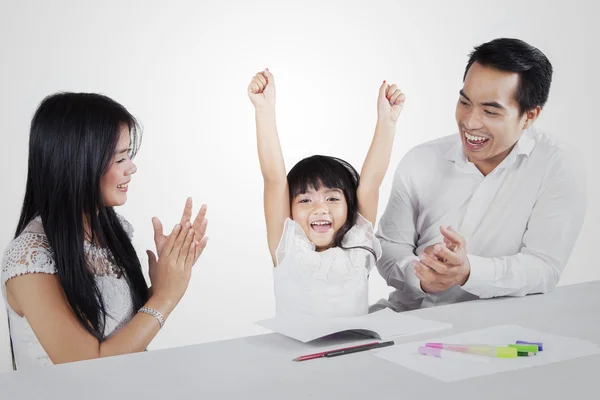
{"type": "Point", "coordinates": [453, 355]}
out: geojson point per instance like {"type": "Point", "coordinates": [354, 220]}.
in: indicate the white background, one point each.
{"type": "Point", "coordinates": [182, 68]}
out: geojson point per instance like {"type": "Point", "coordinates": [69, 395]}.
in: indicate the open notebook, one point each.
{"type": "Point", "coordinates": [384, 324]}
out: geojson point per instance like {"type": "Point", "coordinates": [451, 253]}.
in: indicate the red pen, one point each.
{"type": "Point", "coordinates": [345, 350]}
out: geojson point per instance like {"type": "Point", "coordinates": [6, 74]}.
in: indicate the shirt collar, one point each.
{"type": "Point", "coordinates": [523, 147]}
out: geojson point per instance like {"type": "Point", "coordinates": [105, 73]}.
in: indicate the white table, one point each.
{"type": "Point", "coordinates": [260, 367]}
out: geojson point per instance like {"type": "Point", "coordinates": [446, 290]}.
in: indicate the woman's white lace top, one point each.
{"type": "Point", "coordinates": [30, 253]}
{"type": "Point", "coordinates": [331, 283]}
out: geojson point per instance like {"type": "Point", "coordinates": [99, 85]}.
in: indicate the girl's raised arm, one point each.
{"type": "Point", "coordinates": [389, 106]}
{"type": "Point", "coordinates": [276, 195]}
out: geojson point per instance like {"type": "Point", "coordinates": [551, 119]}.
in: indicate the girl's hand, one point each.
{"type": "Point", "coordinates": [390, 103]}
{"type": "Point", "coordinates": [262, 90]}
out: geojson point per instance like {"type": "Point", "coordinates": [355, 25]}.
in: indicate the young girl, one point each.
{"type": "Point", "coordinates": [320, 217]}
{"type": "Point", "coordinates": [71, 278]}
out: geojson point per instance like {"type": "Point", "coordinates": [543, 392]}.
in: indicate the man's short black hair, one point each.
{"type": "Point", "coordinates": [514, 55]}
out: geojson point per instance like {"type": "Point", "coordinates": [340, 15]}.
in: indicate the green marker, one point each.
{"type": "Point", "coordinates": [524, 354]}
{"type": "Point", "coordinates": [526, 348]}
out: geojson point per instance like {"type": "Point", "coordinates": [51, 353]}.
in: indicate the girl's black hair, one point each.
{"type": "Point", "coordinates": [330, 172]}
{"type": "Point", "coordinates": [72, 142]}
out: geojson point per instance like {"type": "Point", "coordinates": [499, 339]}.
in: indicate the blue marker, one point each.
{"type": "Point", "coordinates": [540, 345]}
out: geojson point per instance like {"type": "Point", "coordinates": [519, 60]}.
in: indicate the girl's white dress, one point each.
{"type": "Point", "coordinates": [331, 283]}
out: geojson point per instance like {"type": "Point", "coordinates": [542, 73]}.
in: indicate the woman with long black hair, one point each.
{"type": "Point", "coordinates": [71, 277]}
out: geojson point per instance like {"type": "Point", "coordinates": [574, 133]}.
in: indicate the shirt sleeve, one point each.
{"type": "Point", "coordinates": [397, 233]}
{"type": "Point", "coordinates": [29, 253]}
{"type": "Point", "coordinates": [550, 236]}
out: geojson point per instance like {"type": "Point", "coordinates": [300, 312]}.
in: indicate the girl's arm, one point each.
{"type": "Point", "coordinates": [389, 106]}
{"type": "Point", "coordinates": [276, 195]}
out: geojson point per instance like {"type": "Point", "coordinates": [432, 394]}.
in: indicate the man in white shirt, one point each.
{"type": "Point", "coordinates": [494, 210]}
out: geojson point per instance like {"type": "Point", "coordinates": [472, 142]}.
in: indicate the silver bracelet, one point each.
{"type": "Point", "coordinates": [156, 314]}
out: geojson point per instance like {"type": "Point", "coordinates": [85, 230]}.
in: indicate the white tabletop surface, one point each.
{"type": "Point", "coordinates": [261, 367]}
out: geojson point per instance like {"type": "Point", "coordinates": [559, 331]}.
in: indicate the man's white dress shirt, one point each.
{"type": "Point", "coordinates": [520, 221]}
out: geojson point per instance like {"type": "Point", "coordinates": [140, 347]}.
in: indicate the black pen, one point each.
{"type": "Point", "coordinates": [357, 349]}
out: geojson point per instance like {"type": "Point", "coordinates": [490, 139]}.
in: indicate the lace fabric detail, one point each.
{"type": "Point", "coordinates": [29, 253]}
{"type": "Point", "coordinates": [100, 260]}
{"type": "Point", "coordinates": [126, 226]}
{"type": "Point", "coordinates": [117, 301]}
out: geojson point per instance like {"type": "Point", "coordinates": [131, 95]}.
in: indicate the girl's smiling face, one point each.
{"type": "Point", "coordinates": [320, 213]}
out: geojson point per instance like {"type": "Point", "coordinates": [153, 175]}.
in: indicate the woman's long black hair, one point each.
{"type": "Point", "coordinates": [72, 142]}
{"type": "Point", "coordinates": [330, 172]}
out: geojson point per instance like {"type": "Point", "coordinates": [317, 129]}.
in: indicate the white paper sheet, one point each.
{"type": "Point", "coordinates": [383, 324]}
{"type": "Point", "coordinates": [555, 348]}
